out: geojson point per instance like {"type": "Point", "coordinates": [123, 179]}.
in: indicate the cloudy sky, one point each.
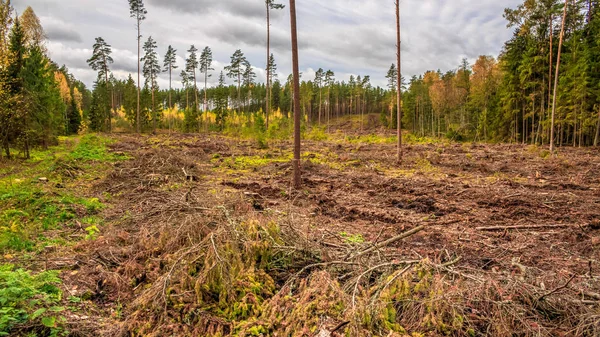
{"type": "Point", "coordinates": [347, 36]}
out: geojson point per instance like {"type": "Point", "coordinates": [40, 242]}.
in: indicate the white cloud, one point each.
{"type": "Point", "coordinates": [346, 36]}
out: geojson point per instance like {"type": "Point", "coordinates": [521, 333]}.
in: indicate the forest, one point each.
{"type": "Point", "coordinates": [457, 202]}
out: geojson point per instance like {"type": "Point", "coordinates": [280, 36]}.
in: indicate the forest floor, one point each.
{"type": "Point", "coordinates": [202, 235]}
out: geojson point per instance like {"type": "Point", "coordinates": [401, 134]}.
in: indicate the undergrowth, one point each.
{"type": "Point", "coordinates": [30, 303]}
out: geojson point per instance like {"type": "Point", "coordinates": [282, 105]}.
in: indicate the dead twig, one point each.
{"type": "Point", "coordinates": [389, 241]}
{"type": "Point", "coordinates": [389, 264]}
{"type": "Point", "coordinates": [502, 228]}
{"type": "Point", "coordinates": [557, 289]}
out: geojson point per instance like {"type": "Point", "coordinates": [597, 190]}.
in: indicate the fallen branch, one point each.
{"type": "Point", "coordinates": [502, 228]}
{"type": "Point", "coordinates": [390, 241]}
{"type": "Point", "coordinates": [554, 291]}
{"type": "Point", "coordinates": [326, 333]}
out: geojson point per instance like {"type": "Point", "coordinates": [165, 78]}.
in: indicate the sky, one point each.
{"type": "Point", "coordinates": [350, 37]}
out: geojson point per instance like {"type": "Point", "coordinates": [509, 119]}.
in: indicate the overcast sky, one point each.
{"type": "Point", "coordinates": [347, 36]}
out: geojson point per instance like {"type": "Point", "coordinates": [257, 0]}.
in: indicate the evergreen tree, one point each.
{"type": "Point", "coordinates": [270, 5]}
{"type": "Point", "coordinates": [191, 66]}
{"type": "Point", "coordinates": [138, 11]}
{"type": "Point", "coordinates": [170, 64]}
{"type": "Point", "coordinates": [73, 116]}
{"type": "Point", "coordinates": [271, 74]}
{"type": "Point", "coordinates": [319, 74]}
{"type": "Point", "coordinates": [236, 72]}
{"type": "Point", "coordinates": [151, 71]}
{"type": "Point", "coordinates": [206, 59]}
{"type": "Point", "coordinates": [99, 62]}
{"type": "Point", "coordinates": [221, 102]}
{"type": "Point", "coordinates": [130, 101]}
{"type": "Point", "coordinates": [43, 119]}
{"type": "Point", "coordinates": [249, 77]}
{"type": "Point", "coordinates": [13, 108]}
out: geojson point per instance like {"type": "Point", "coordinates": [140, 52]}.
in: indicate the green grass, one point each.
{"type": "Point", "coordinates": [30, 208]}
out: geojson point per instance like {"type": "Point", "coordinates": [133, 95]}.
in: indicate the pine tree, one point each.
{"type": "Point", "coordinates": [221, 102]}
{"type": "Point", "coordinates": [399, 82]}
{"type": "Point", "coordinates": [248, 80]}
{"type": "Point", "coordinates": [99, 62]}
{"type": "Point", "coordinates": [138, 12]}
{"type": "Point", "coordinates": [235, 70]}
{"type": "Point", "coordinates": [270, 5]}
{"type": "Point", "coordinates": [319, 74]}
{"type": "Point", "coordinates": [170, 64]}
{"type": "Point", "coordinates": [151, 70]}
{"type": "Point", "coordinates": [206, 59]}
{"type": "Point", "coordinates": [191, 66]}
{"type": "Point", "coordinates": [297, 181]}
{"type": "Point", "coordinates": [271, 74]}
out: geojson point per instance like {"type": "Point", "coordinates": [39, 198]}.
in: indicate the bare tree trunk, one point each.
{"type": "Point", "coordinates": [320, 103]}
{"type": "Point", "coordinates": [153, 112]}
{"type": "Point", "coordinates": [562, 33]}
{"type": "Point", "coordinates": [170, 79]}
{"type": "Point", "coordinates": [7, 146]}
{"type": "Point", "coordinates": [268, 94]}
{"type": "Point", "coordinates": [138, 125]}
{"type": "Point", "coordinates": [205, 92]}
{"type": "Point", "coordinates": [399, 93]}
{"type": "Point", "coordinates": [296, 162]}
{"type": "Point", "coordinates": [551, 63]}
{"type": "Point", "coordinates": [597, 138]}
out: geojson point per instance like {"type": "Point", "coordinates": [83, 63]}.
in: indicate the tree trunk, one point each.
{"type": "Point", "coordinates": [597, 138]}
{"type": "Point", "coordinates": [138, 125]}
{"type": "Point", "coordinates": [239, 90]}
{"type": "Point", "coordinates": [195, 92]}
{"type": "Point", "coordinates": [562, 33]}
{"type": "Point", "coordinates": [551, 63]}
{"type": "Point", "coordinates": [7, 146]}
{"type": "Point", "coordinates": [153, 112]}
{"type": "Point", "coordinates": [268, 93]}
{"type": "Point", "coordinates": [108, 90]}
{"type": "Point", "coordinates": [296, 162]}
{"type": "Point", "coordinates": [205, 92]}
{"type": "Point", "coordinates": [399, 93]}
{"type": "Point", "coordinates": [170, 79]}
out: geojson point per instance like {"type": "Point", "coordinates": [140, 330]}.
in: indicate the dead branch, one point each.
{"type": "Point", "coordinates": [502, 228]}
{"type": "Point", "coordinates": [557, 289]}
{"type": "Point", "coordinates": [396, 263]}
{"type": "Point", "coordinates": [390, 241]}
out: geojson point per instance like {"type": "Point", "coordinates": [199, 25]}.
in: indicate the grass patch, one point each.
{"type": "Point", "coordinates": [40, 194]}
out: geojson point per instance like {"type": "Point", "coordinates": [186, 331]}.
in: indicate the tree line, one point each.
{"type": "Point", "coordinates": [38, 99]}
{"type": "Point", "coordinates": [511, 98]}
{"type": "Point", "coordinates": [508, 99]}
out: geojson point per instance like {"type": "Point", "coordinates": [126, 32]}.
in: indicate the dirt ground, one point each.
{"type": "Point", "coordinates": [468, 196]}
